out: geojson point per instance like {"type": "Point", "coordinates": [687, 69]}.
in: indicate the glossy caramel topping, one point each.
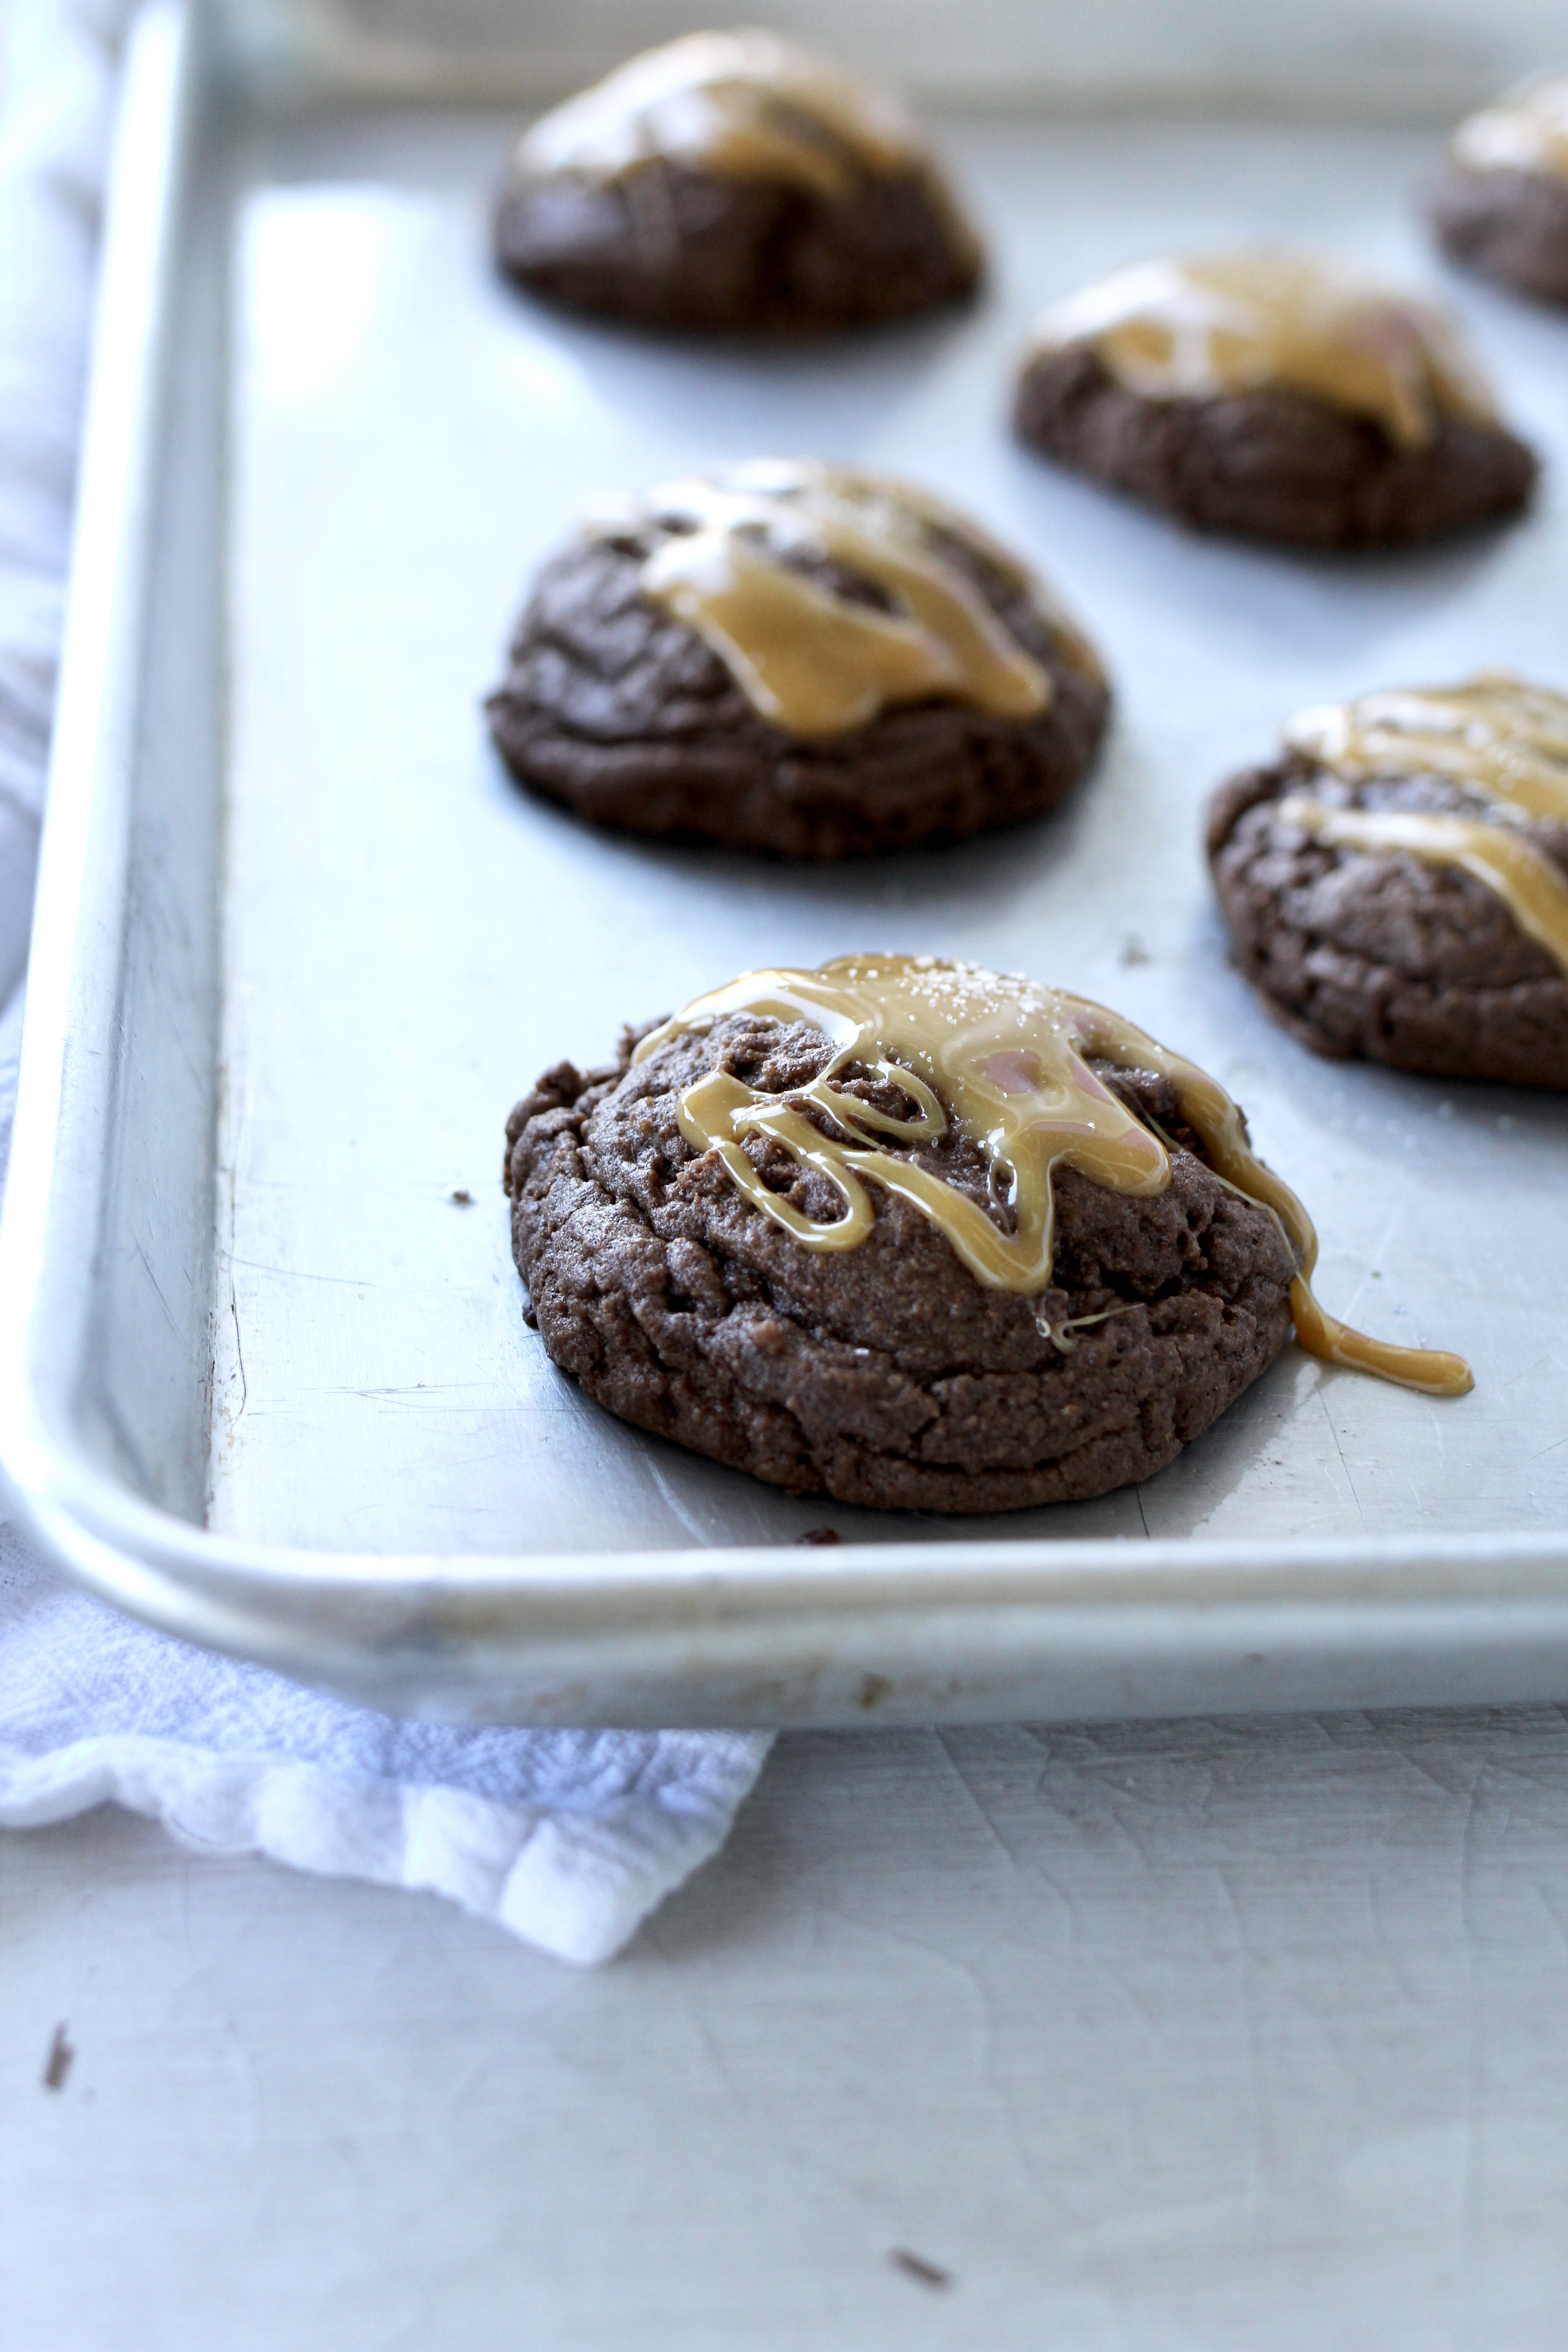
{"type": "Point", "coordinates": [1201, 324]}
{"type": "Point", "coordinates": [1526, 130]}
{"type": "Point", "coordinates": [742, 106]}
{"type": "Point", "coordinates": [808, 658]}
{"type": "Point", "coordinates": [1502, 743]}
{"type": "Point", "coordinates": [1005, 1063]}
{"type": "Point", "coordinates": [1496, 737]}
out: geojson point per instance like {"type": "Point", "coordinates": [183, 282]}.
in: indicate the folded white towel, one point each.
{"type": "Point", "coordinates": [568, 1838]}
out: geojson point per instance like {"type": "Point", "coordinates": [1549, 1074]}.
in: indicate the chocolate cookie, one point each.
{"type": "Point", "coordinates": [913, 1235]}
{"type": "Point", "coordinates": [1501, 206]}
{"type": "Point", "coordinates": [1272, 394]}
{"type": "Point", "coordinates": [1397, 885]}
{"type": "Point", "coordinates": [733, 182]}
{"type": "Point", "coordinates": [786, 656]}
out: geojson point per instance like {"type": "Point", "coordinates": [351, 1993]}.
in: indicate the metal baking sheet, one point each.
{"type": "Point", "coordinates": [302, 944]}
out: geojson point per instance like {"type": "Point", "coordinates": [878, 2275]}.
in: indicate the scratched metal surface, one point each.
{"type": "Point", "coordinates": [408, 940]}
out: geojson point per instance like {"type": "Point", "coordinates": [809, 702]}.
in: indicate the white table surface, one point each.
{"type": "Point", "coordinates": [1204, 2036]}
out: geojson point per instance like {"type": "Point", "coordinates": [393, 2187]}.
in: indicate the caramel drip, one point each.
{"type": "Point", "coordinates": [815, 662]}
{"type": "Point", "coordinates": [1526, 130]}
{"type": "Point", "coordinates": [1499, 741]}
{"type": "Point", "coordinates": [1530, 884]}
{"type": "Point", "coordinates": [1005, 1063]}
{"type": "Point", "coordinates": [742, 106]}
{"type": "Point", "coordinates": [1204, 324]}
{"type": "Point", "coordinates": [1496, 737]}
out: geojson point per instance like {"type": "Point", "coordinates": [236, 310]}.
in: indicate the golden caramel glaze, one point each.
{"type": "Point", "coordinates": [741, 106]}
{"type": "Point", "coordinates": [1503, 743]}
{"type": "Point", "coordinates": [1005, 1063]}
{"type": "Point", "coordinates": [813, 661]}
{"type": "Point", "coordinates": [1525, 130]}
{"type": "Point", "coordinates": [1497, 737]}
{"type": "Point", "coordinates": [1198, 325]}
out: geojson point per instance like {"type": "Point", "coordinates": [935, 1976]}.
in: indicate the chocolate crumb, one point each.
{"type": "Point", "coordinates": [820, 1535]}
{"type": "Point", "coordinates": [460, 1194]}
{"type": "Point", "coordinates": [915, 2266]}
{"type": "Point", "coordinates": [57, 2064]}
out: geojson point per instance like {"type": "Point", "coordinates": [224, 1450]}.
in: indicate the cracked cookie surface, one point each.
{"type": "Point", "coordinates": [1510, 226]}
{"type": "Point", "coordinates": [884, 1375]}
{"type": "Point", "coordinates": [1274, 464]}
{"type": "Point", "coordinates": [1385, 957]}
{"type": "Point", "coordinates": [674, 246]}
{"type": "Point", "coordinates": [624, 715]}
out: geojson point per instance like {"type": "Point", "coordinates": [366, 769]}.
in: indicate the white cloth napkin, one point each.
{"type": "Point", "coordinates": [567, 1838]}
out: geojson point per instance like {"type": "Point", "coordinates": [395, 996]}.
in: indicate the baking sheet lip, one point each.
{"type": "Point", "coordinates": [68, 1022]}
{"type": "Point", "coordinates": [328, 62]}
{"type": "Point", "coordinates": [77, 1509]}
{"type": "Point", "coordinates": [745, 1638]}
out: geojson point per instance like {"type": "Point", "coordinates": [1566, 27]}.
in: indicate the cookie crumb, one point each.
{"type": "Point", "coordinates": [915, 2266]}
{"type": "Point", "coordinates": [461, 1196]}
{"type": "Point", "coordinates": [820, 1535]}
{"type": "Point", "coordinates": [57, 2064]}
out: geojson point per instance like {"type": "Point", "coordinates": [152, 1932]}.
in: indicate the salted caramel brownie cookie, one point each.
{"type": "Point", "coordinates": [1502, 203]}
{"type": "Point", "coordinates": [793, 658]}
{"type": "Point", "coordinates": [913, 1235]}
{"type": "Point", "coordinates": [1276, 394]}
{"type": "Point", "coordinates": [734, 182]}
{"type": "Point", "coordinates": [1396, 883]}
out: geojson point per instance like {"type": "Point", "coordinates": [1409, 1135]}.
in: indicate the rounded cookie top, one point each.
{"type": "Point", "coordinates": [1526, 130]}
{"type": "Point", "coordinates": [1502, 205]}
{"type": "Point", "coordinates": [1199, 325]}
{"type": "Point", "coordinates": [734, 180]}
{"type": "Point", "coordinates": [916, 1234]}
{"type": "Point", "coordinates": [799, 657]}
{"type": "Point", "coordinates": [1397, 885]}
{"type": "Point", "coordinates": [1273, 392]}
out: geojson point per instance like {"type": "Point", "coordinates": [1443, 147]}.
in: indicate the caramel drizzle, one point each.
{"type": "Point", "coordinates": [1495, 736]}
{"type": "Point", "coordinates": [1231, 322]}
{"type": "Point", "coordinates": [815, 663]}
{"type": "Point", "coordinates": [1526, 130]}
{"type": "Point", "coordinates": [743, 106]}
{"type": "Point", "coordinates": [1005, 1062]}
{"type": "Point", "coordinates": [1500, 741]}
